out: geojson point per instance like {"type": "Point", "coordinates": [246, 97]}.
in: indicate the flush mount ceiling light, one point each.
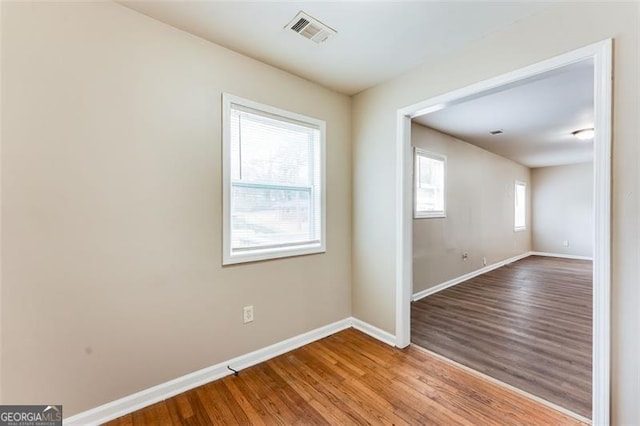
{"type": "Point", "coordinates": [584, 134]}
{"type": "Point", "coordinates": [311, 28]}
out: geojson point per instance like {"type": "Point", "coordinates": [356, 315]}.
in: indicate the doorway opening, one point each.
{"type": "Point", "coordinates": [599, 58]}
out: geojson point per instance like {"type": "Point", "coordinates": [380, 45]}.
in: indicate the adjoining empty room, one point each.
{"type": "Point", "coordinates": [503, 235]}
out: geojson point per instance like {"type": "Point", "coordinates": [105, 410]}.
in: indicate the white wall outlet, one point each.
{"type": "Point", "coordinates": [247, 314]}
{"type": "Point", "coordinates": [565, 243]}
{"type": "Point", "coordinates": [484, 261]}
{"type": "Point", "coordinates": [465, 256]}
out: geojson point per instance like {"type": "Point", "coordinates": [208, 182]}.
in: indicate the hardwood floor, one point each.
{"type": "Point", "coordinates": [527, 324]}
{"type": "Point", "coordinates": [349, 378]}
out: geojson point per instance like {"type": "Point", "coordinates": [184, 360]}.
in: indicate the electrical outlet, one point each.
{"type": "Point", "coordinates": [484, 261]}
{"type": "Point", "coordinates": [465, 256]}
{"type": "Point", "coordinates": [247, 314]}
{"type": "Point", "coordinates": [565, 243]}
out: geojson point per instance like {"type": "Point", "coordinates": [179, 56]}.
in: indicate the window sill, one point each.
{"type": "Point", "coordinates": [277, 253]}
{"type": "Point", "coordinates": [429, 215]}
{"type": "Point", "coordinates": [519, 229]}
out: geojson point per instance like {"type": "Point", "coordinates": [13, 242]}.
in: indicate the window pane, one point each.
{"type": "Point", "coordinates": [275, 186]}
{"type": "Point", "coordinates": [520, 205]}
{"type": "Point", "coordinates": [265, 216]}
{"type": "Point", "coordinates": [429, 184]}
{"type": "Point", "coordinates": [264, 150]}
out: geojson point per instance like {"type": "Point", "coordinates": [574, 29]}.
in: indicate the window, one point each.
{"type": "Point", "coordinates": [520, 206]}
{"type": "Point", "coordinates": [429, 187]}
{"type": "Point", "coordinates": [273, 182]}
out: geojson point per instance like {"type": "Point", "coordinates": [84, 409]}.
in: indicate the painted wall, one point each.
{"type": "Point", "coordinates": [560, 28]}
{"type": "Point", "coordinates": [563, 209]}
{"type": "Point", "coordinates": [480, 212]}
{"type": "Point", "coordinates": [111, 194]}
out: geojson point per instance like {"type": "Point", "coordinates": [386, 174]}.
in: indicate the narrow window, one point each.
{"type": "Point", "coordinates": [520, 206]}
{"type": "Point", "coordinates": [273, 177]}
{"type": "Point", "coordinates": [430, 172]}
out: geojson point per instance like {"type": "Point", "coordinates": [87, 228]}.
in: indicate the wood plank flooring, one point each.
{"type": "Point", "coordinates": [349, 378]}
{"type": "Point", "coordinates": [527, 324]}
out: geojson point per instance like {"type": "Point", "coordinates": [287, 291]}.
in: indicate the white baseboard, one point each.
{"type": "Point", "coordinates": [144, 398]}
{"type": "Point", "coordinates": [564, 256]}
{"type": "Point", "coordinates": [373, 331]}
{"type": "Point", "coordinates": [428, 292]}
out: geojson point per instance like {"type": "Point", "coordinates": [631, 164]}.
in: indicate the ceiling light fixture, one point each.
{"type": "Point", "coordinates": [584, 134]}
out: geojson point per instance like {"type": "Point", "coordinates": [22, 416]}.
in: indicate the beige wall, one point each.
{"type": "Point", "coordinates": [111, 251]}
{"type": "Point", "coordinates": [480, 212]}
{"type": "Point", "coordinates": [560, 28]}
{"type": "Point", "coordinates": [111, 220]}
{"type": "Point", "coordinates": [563, 209]}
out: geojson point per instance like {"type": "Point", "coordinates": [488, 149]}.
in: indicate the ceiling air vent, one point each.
{"type": "Point", "coordinates": [496, 132]}
{"type": "Point", "coordinates": [310, 28]}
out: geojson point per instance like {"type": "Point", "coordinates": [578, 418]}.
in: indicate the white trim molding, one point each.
{"type": "Point", "coordinates": [439, 287]}
{"type": "Point", "coordinates": [316, 189]}
{"type": "Point", "coordinates": [522, 227]}
{"type": "Point", "coordinates": [601, 54]}
{"type": "Point", "coordinates": [423, 214]}
{"type": "Point", "coordinates": [373, 331]}
{"type": "Point", "coordinates": [561, 255]}
{"type": "Point", "coordinates": [404, 229]}
{"type": "Point", "coordinates": [144, 398]}
{"type": "Point", "coordinates": [603, 79]}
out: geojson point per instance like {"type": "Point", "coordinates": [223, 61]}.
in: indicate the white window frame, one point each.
{"type": "Point", "coordinates": [434, 156]}
{"type": "Point", "coordinates": [228, 255]}
{"type": "Point", "coordinates": [515, 189]}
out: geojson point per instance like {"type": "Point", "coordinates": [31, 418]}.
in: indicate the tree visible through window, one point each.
{"type": "Point", "coordinates": [429, 185]}
{"type": "Point", "coordinates": [275, 191]}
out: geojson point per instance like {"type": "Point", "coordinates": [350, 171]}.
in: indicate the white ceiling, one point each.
{"type": "Point", "coordinates": [537, 117]}
{"type": "Point", "coordinates": [376, 40]}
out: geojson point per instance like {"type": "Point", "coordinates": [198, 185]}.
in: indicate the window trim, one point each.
{"type": "Point", "coordinates": [434, 156]}
{"type": "Point", "coordinates": [253, 255]}
{"type": "Point", "coordinates": [515, 186]}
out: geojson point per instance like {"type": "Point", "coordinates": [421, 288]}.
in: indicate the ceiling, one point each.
{"type": "Point", "coordinates": [376, 40]}
{"type": "Point", "coordinates": [537, 118]}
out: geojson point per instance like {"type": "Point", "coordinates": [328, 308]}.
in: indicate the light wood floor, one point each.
{"type": "Point", "coordinates": [527, 324]}
{"type": "Point", "coordinates": [350, 378]}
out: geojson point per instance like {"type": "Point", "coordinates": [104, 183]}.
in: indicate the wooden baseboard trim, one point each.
{"type": "Point", "coordinates": [561, 255]}
{"type": "Point", "coordinates": [428, 292]}
{"type": "Point", "coordinates": [505, 385]}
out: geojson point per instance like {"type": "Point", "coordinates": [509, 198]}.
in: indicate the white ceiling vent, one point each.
{"type": "Point", "coordinates": [310, 28]}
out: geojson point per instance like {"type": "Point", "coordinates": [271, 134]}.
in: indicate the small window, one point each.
{"type": "Point", "coordinates": [520, 206]}
{"type": "Point", "coordinates": [429, 186]}
{"type": "Point", "coordinates": [273, 182]}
